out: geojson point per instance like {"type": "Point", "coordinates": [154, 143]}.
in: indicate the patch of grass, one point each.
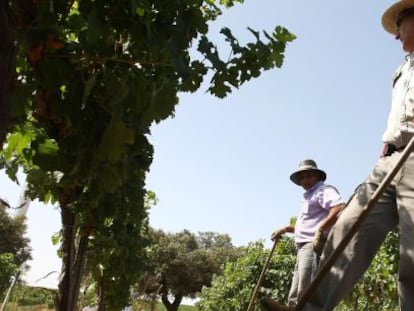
{"type": "Point", "coordinates": [146, 306]}
{"type": "Point", "coordinates": [27, 298]}
{"type": "Point", "coordinates": [13, 306]}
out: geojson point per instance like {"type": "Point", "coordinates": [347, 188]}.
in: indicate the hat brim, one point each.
{"type": "Point", "coordinates": [295, 176]}
{"type": "Point", "coordinates": [389, 18]}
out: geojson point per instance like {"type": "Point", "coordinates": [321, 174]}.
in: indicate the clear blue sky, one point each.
{"type": "Point", "coordinates": [224, 165]}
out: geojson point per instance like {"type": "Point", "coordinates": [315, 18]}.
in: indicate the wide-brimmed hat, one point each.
{"type": "Point", "coordinates": [307, 165]}
{"type": "Point", "coordinates": [389, 19]}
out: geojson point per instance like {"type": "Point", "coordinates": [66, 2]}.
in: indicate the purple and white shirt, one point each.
{"type": "Point", "coordinates": [317, 202]}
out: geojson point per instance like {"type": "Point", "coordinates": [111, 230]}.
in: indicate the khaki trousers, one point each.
{"type": "Point", "coordinates": [396, 207]}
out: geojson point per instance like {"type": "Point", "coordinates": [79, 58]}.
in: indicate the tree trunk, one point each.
{"type": "Point", "coordinates": [73, 258]}
{"type": "Point", "coordinates": [101, 298]}
{"type": "Point", "coordinates": [171, 306]}
{"type": "Point", "coordinates": [77, 270]}
{"type": "Point", "coordinates": [7, 68]}
{"type": "Point", "coordinates": [68, 255]}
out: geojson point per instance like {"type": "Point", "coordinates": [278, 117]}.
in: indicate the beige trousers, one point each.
{"type": "Point", "coordinates": [395, 207]}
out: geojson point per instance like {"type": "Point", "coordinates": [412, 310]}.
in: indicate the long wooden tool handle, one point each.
{"type": "Point", "coordinates": [341, 246]}
{"type": "Point", "coordinates": [262, 274]}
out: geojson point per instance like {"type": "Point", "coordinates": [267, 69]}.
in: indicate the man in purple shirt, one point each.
{"type": "Point", "coordinates": [318, 213]}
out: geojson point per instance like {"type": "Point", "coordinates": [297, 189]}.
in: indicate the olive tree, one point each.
{"type": "Point", "coordinates": [182, 263]}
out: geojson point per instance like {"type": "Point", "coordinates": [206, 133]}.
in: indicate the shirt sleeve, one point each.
{"type": "Point", "coordinates": [329, 197]}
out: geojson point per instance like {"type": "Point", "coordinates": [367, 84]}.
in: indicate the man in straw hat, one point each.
{"type": "Point", "coordinates": [319, 210]}
{"type": "Point", "coordinates": [396, 205]}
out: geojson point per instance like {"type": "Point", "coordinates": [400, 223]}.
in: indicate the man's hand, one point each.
{"type": "Point", "coordinates": [318, 241]}
{"type": "Point", "coordinates": [278, 233]}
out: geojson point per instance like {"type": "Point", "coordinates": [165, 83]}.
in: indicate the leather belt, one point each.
{"type": "Point", "coordinates": [300, 245]}
{"type": "Point", "coordinates": [389, 149]}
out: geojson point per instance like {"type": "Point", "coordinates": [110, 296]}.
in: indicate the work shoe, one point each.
{"type": "Point", "coordinates": [271, 305]}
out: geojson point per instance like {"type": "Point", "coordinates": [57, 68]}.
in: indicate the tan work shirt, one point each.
{"type": "Point", "coordinates": [400, 127]}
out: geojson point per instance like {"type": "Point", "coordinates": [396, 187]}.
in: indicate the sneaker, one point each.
{"type": "Point", "coordinates": [271, 305]}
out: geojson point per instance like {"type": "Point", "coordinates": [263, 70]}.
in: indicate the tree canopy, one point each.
{"type": "Point", "coordinates": [84, 81]}
{"type": "Point", "coordinates": [182, 263]}
{"type": "Point", "coordinates": [14, 246]}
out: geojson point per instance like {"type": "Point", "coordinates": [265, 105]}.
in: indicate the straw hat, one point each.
{"type": "Point", "coordinates": [307, 165]}
{"type": "Point", "coordinates": [389, 19]}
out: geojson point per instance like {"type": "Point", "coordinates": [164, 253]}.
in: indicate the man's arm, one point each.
{"type": "Point", "coordinates": [318, 238]}
{"type": "Point", "coordinates": [332, 216]}
{"type": "Point", "coordinates": [279, 232]}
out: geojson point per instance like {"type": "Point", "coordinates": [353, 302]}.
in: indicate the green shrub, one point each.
{"type": "Point", "coordinates": [31, 296]}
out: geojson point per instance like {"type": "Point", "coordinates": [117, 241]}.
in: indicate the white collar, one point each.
{"type": "Point", "coordinates": [409, 56]}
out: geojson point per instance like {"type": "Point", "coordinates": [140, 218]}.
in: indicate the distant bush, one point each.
{"type": "Point", "coordinates": [31, 296]}
{"type": "Point", "coordinates": [7, 269]}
